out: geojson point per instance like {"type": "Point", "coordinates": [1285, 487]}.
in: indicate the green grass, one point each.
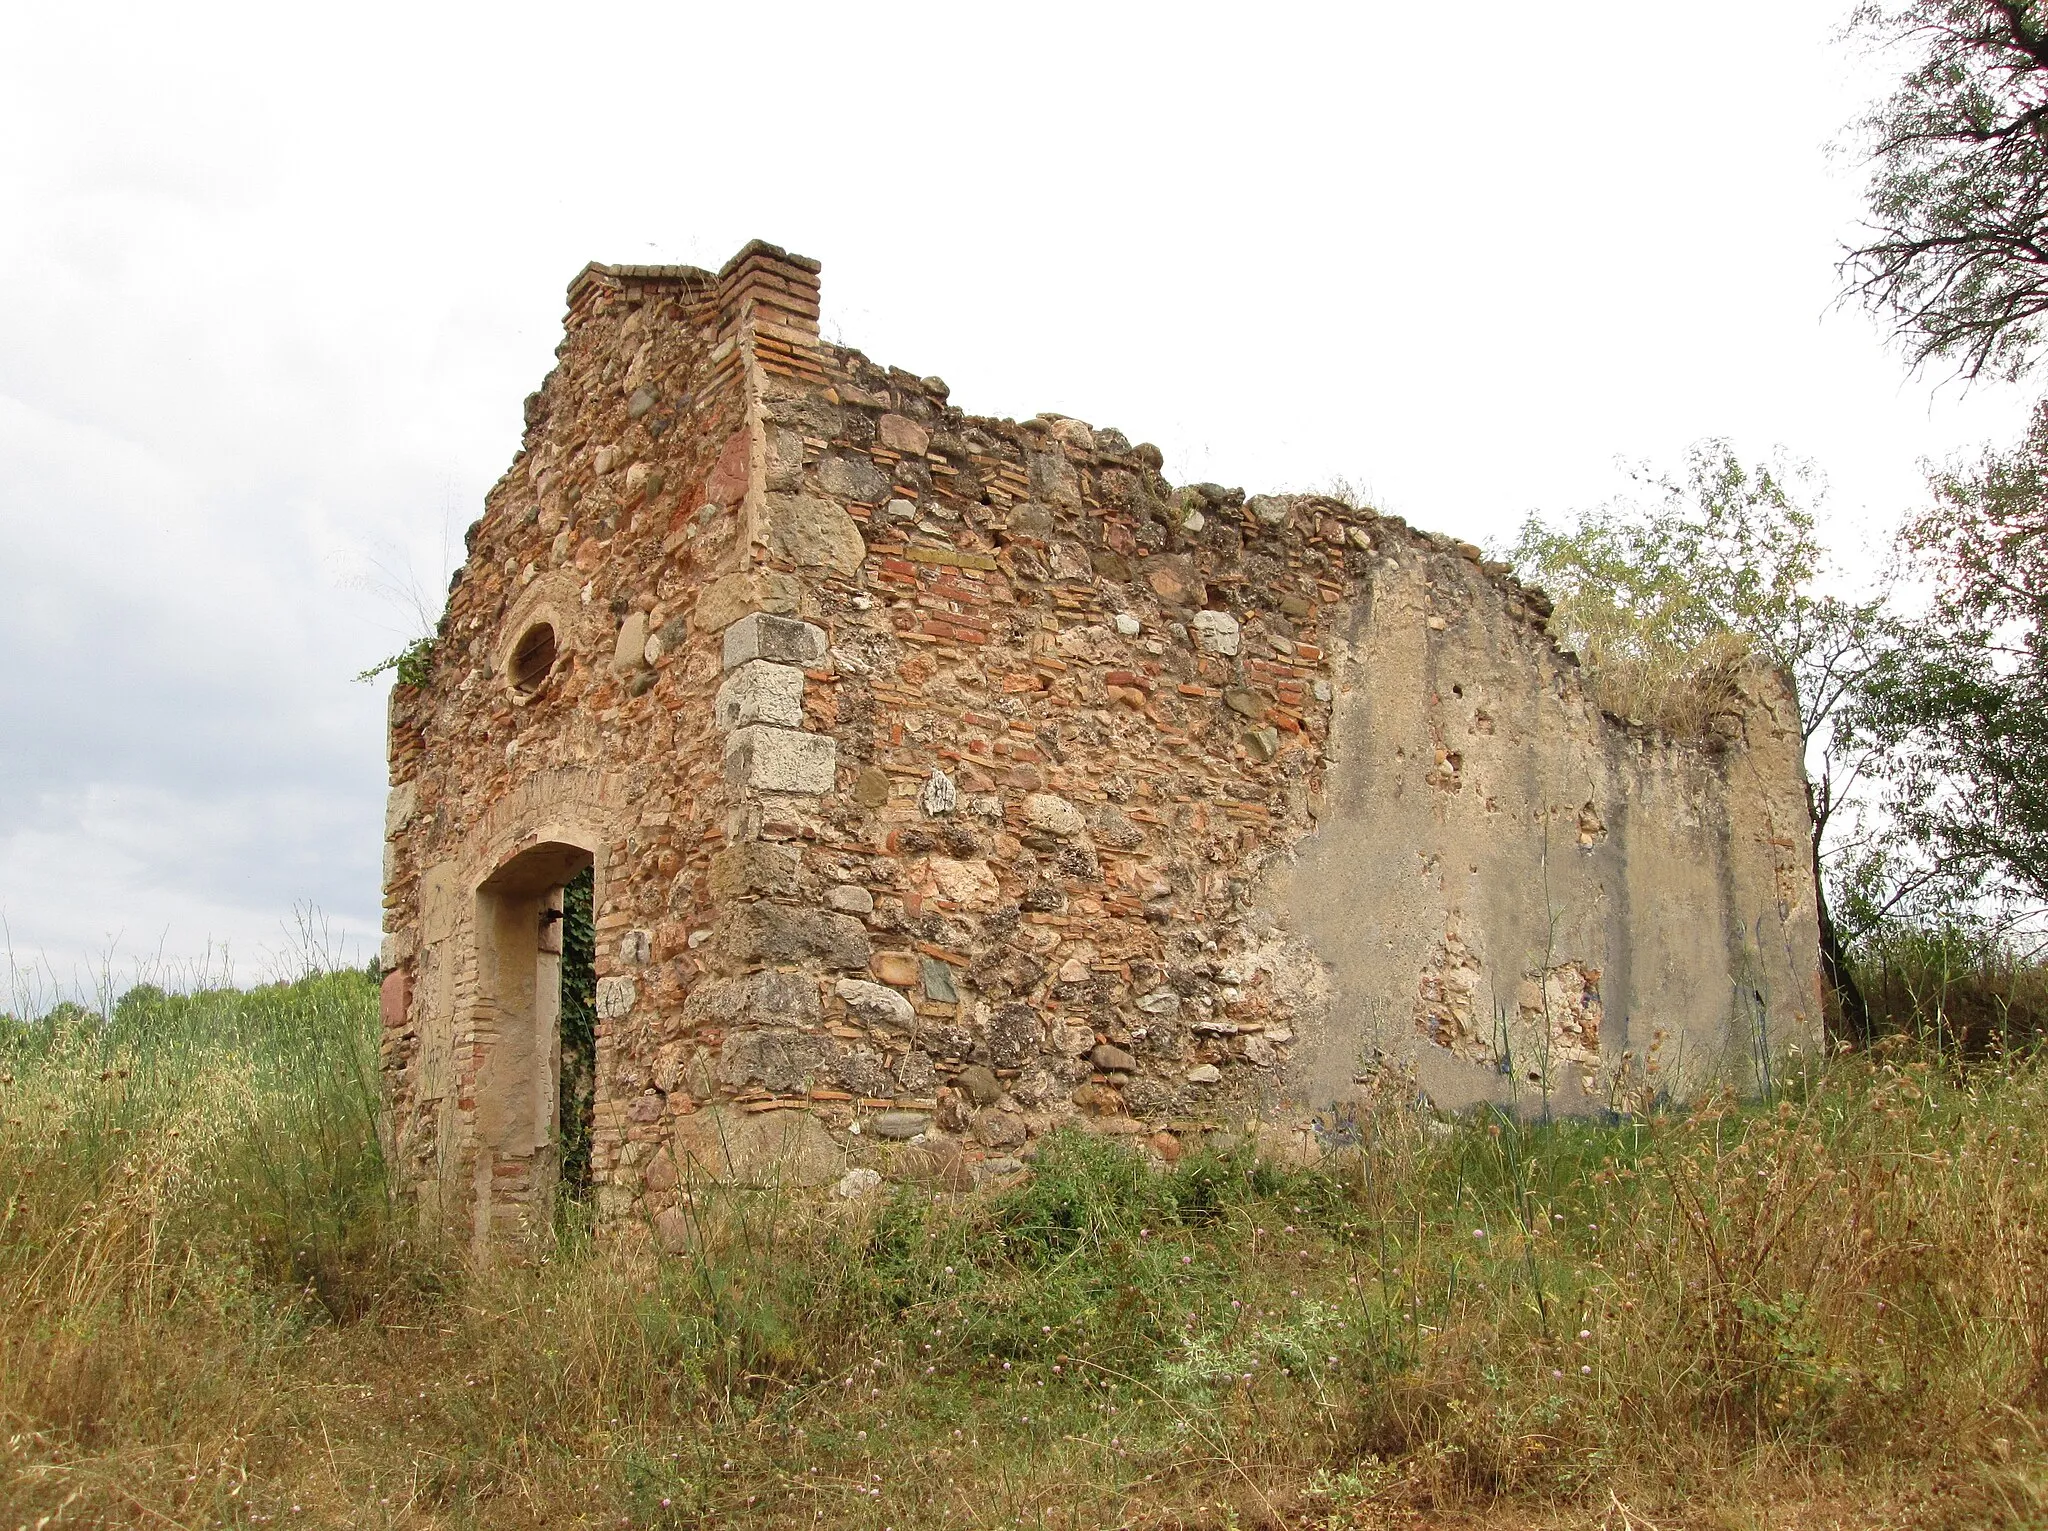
{"type": "Point", "coordinates": [1954, 989]}
{"type": "Point", "coordinates": [1836, 1303]}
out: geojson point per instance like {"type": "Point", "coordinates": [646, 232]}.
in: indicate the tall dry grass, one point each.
{"type": "Point", "coordinates": [182, 1163]}
{"type": "Point", "coordinates": [1835, 1301]}
{"type": "Point", "coordinates": [1678, 690]}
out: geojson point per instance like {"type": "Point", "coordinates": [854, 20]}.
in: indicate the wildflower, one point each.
{"type": "Point", "coordinates": [1585, 1371]}
{"type": "Point", "coordinates": [1585, 1334]}
{"type": "Point", "coordinates": [1478, 1233]}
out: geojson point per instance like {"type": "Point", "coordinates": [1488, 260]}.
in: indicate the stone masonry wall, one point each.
{"type": "Point", "coordinates": [952, 779]}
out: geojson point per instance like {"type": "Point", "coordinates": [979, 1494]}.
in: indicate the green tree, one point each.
{"type": "Point", "coordinates": [1955, 248]}
{"type": "Point", "coordinates": [1958, 710]}
{"type": "Point", "coordinates": [1666, 598]}
{"type": "Point", "coordinates": [1956, 717]}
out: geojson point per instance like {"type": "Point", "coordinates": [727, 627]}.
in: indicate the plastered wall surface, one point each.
{"type": "Point", "coordinates": [948, 780]}
{"type": "Point", "coordinates": [1533, 904]}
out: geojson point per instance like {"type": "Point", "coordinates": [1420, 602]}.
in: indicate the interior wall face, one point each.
{"type": "Point", "coordinates": [956, 780]}
{"type": "Point", "coordinates": [1523, 901]}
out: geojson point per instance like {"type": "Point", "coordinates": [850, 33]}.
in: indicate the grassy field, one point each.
{"type": "Point", "coordinates": [1828, 1310]}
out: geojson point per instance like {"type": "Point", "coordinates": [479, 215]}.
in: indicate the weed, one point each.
{"type": "Point", "coordinates": [217, 1316]}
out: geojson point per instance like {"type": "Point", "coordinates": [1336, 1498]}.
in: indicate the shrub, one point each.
{"type": "Point", "coordinates": [1955, 989]}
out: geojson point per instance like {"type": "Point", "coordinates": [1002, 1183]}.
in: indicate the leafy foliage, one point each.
{"type": "Point", "coordinates": [1959, 709]}
{"type": "Point", "coordinates": [579, 1032]}
{"type": "Point", "coordinates": [1666, 601]}
{"type": "Point", "coordinates": [414, 663]}
{"type": "Point", "coordinates": [1957, 243]}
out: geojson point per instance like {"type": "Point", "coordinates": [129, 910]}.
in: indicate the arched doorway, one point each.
{"type": "Point", "coordinates": [534, 1035]}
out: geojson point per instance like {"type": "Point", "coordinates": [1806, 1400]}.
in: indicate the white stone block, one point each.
{"type": "Point", "coordinates": [848, 899]}
{"type": "Point", "coordinates": [1052, 814]}
{"type": "Point", "coordinates": [615, 998]}
{"type": "Point", "coordinates": [399, 806]}
{"type": "Point", "coordinates": [760, 691]}
{"type": "Point", "coordinates": [630, 652]}
{"type": "Point", "coordinates": [761, 758]}
{"type": "Point", "coordinates": [857, 1182]}
{"type": "Point", "coordinates": [784, 640]}
{"type": "Point", "coordinates": [1217, 632]}
{"type": "Point", "coordinates": [877, 1003]}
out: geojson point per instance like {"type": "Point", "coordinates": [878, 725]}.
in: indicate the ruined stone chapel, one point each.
{"type": "Point", "coordinates": [945, 781]}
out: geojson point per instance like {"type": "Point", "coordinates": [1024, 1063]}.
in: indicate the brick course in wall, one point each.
{"type": "Point", "coordinates": [936, 771]}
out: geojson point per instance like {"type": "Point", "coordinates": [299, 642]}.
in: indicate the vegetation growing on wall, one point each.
{"type": "Point", "coordinates": [579, 1033]}
{"type": "Point", "coordinates": [411, 664]}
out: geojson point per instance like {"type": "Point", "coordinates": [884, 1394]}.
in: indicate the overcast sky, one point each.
{"type": "Point", "coordinates": [274, 280]}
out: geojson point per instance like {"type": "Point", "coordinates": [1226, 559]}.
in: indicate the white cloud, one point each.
{"type": "Point", "coordinates": [273, 282]}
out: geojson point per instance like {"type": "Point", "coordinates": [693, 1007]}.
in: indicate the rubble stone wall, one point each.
{"type": "Point", "coordinates": [951, 779]}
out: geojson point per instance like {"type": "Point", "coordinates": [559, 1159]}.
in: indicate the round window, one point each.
{"type": "Point", "coordinates": [533, 658]}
